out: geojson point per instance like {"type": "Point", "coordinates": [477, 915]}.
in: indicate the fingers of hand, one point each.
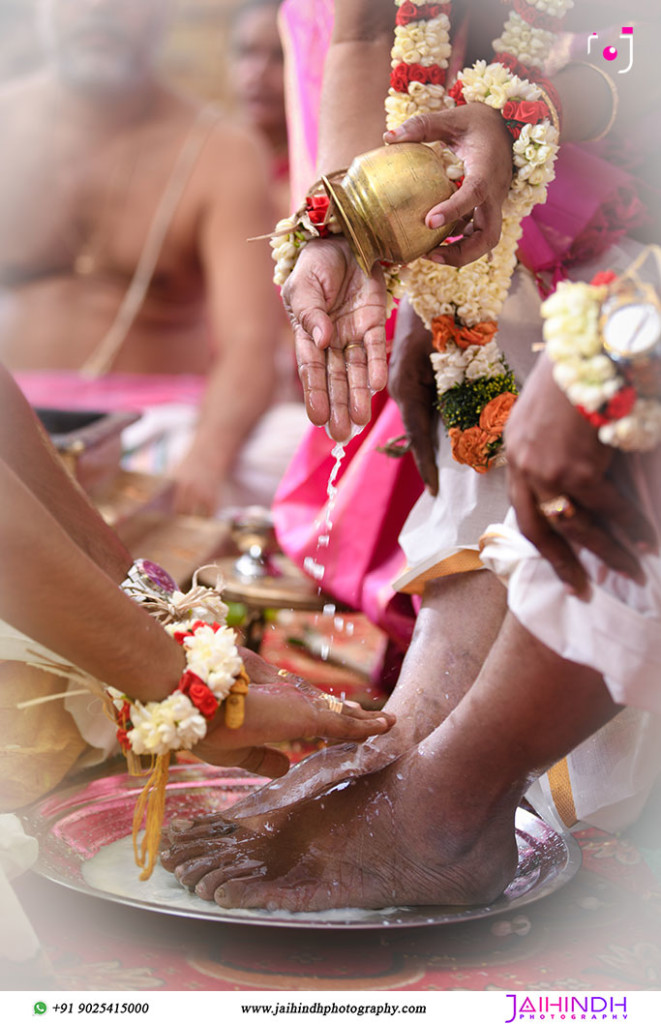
{"type": "Point", "coordinates": [377, 362]}
{"type": "Point", "coordinates": [588, 529]}
{"type": "Point", "coordinates": [348, 720]}
{"type": "Point", "coordinates": [550, 544]}
{"type": "Point", "coordinates": [588, 519]}
{"type": "Point", "coordinates": [420, 128]}
{"type": "Point", "coordinates": [359, 394]}
{"type": "Point", "coordinates": [312, 372]}
{"type": "Point", "coordinates": [485, 234]}
{"type": "Point", "coordinates": [419, 420]}
{"type": "Point", "coordinates": [472, 193]}
{"type": "Point", "coordinates": [350, 397]}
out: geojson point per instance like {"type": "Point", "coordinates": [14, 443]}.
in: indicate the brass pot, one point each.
{"type": "Point", "coordinates": [382, 201]}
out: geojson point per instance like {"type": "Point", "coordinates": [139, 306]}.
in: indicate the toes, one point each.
{"type": "Point", "coordinates": [271, 894]}
{"type": "Point", "coordinates": [215, 828]}
{"type": "Point", "coordinates": [191, 871]}
{"type": "Point", "coordinates": [209, 884]}
{"type": "Point", "coordinates": [176, 852]}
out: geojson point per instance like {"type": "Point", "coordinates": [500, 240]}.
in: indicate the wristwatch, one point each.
{"type": "Point", "coordinates": [147, 579]}
{"type": "Point", "coordinates": [630, 329]}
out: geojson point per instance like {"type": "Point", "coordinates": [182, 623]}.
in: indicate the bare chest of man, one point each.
{"type": "Point", "coordinates": [72, 233]}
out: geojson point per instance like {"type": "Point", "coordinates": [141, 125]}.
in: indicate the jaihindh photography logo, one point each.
{"type": "Point", "coordinates": [575, 1007]}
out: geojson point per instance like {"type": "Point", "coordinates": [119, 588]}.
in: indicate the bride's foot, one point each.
{"type": "Point", "coordinates": [395, 837]}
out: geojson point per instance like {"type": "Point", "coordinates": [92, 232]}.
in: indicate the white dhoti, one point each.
{"type": "Point", "coordinates": [607, 779]}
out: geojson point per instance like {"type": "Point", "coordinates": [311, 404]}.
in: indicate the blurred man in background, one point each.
{"type": "Point", "coordinates": [126, 275]}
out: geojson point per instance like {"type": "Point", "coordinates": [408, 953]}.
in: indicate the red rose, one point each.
{"type": "Point", "coordinates": [514, 128]}
{"type": "Point", "coordinates": [531, 111]}
{"type": "Point", "coordinates": [516, 67]}
{"type": "Point", "coordinates": [621, 403]}
{"type": "Point", "coordinates": [596, 419]}
{"type": "Point", "coordinates": [199, 693]}
{"type": "Point", "coordinates": [535, 18]}
{"type": "Point", "coordinates": [317, 208]}
{"type": "Point", "coordinates": [509, 110]}
{"type": "Point", "coordinates": [399, 79]}
{"type": "Point", "coordinates": [508, 61]}
{"type": "Point", "coordinates": [603, 277]}
{"type": "Point", "coordinates": [457, 93]}
{"type": "Point", "coordinates": [407, 13]}
{"type": "Point", "coordinates": [436, 75]}
{"type": "Point", "coordinates": [187, 680]}
{"type": "Point", "coordinates": [418, 73]}
{"type": "Point", "coordinates": [180, 637]}
{"type": "Point", "coordinates": [203, 699]}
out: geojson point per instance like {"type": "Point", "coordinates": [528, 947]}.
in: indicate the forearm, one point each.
{"type": "Point", "coordinates": [26, 449]}
{"type": "Point", "coordinates": [238, 392]}
{"type": "Point", "coordinates": [55, 593]}
{"type": "Point", "coordinates": [357, 68]}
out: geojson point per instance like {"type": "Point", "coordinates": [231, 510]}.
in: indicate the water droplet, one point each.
{"type": "Point", "coordinates": [313, 568]}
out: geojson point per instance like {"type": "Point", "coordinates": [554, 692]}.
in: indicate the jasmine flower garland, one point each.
{"type": "Point", "coordinates": [475, 386]}
{"type": "Point", "coordinates": [587, 375]}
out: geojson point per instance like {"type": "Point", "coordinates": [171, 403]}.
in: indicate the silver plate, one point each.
{"type": "Point", "coordinates": [84, 838]}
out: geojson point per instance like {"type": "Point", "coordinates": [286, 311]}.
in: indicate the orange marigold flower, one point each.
{"type": "Point", "coordinates": [495, 413]}
{"type": "Point", "coordinates": [445, 328]}
{"type": "Point", "coordinates": [470, 447]}
{"type": "Point", "coordinates": [441, 331]}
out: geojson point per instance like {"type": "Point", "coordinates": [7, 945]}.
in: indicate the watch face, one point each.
{"type": "Point", "coordinates": [156, 575]}
{"type": "Point", "coordinates": [631, 329]}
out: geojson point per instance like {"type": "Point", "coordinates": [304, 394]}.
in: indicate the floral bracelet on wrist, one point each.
{"type": "Point", "coordinates": [312, 220]}
{"type": "Point", "coordinates": [213, 682]}
{"type": "Point", "coordinates": [604, 340]}
{"type": "Point", "coordinates": [315, 219]}
{"type": "Point", "coordinates": [214, 676]}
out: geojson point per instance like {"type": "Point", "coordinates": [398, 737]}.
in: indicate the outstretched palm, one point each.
{"type": "Point", "coordinates": [339, 317]}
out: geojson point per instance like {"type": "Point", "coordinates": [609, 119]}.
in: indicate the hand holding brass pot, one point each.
{"type": "Point", "coordinates": [382, 200]}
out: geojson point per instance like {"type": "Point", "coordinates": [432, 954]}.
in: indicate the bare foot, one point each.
{"type": "Point", "coordinates": [394, 837]}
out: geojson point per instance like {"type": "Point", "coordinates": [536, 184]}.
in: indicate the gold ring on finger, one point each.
{"type": "Point", "coordinates": [334, 703]}
{"type": "Point", "coordinates": [558, 509]}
